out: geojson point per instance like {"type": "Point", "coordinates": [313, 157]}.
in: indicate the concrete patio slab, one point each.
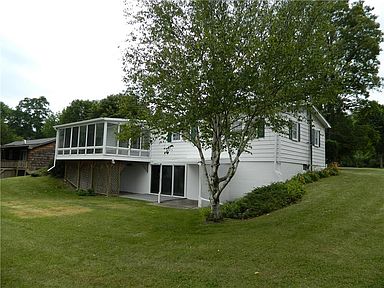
{"type": "Point", "coordinates": [166, 201]}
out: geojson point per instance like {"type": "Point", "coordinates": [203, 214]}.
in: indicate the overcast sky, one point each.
{"type": "Point", "coordinates": [69, 49]}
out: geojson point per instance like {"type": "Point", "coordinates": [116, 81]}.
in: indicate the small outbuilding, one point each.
{"type": "Point", "coordinates": [20, 157]}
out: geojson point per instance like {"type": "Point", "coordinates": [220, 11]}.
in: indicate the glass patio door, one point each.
{"type": "Point", "coordinates": [172, 180]}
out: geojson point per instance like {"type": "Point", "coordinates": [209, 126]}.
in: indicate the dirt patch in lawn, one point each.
{"type": "Point", "coordinates": [44, 209]}
{"type": "Point", "coordinates": [117, 206]}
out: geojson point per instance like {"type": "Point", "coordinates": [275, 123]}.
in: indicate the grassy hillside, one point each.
{"type": "Point", "coordinates": [54, 238]}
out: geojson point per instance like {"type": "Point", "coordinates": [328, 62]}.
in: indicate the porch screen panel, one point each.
{"type": "Point", "coordinates": [155, 178]}
{"type": "Point", "coordinates": [91, 135]}
{"type": "Point", "coordinates": [82, 137]}
{"type": "Point", "coordinates": [99, 134]}
{"type": "Point", "coordinates": [75, 136]}
{"type": "Point", "coordinates": [61, 138]}
{"type": "Point", "coordinates": [67, 140]}
{"type": "Point", "coordinates": [178, 180]}
{"type": "Point", "coordinates": [166, 180]}
{"type": "Point", "coordinates": [135, 144]}
{"type": "Point", "coordinates": [83, 132]}
{"type": "Point", "coordinates": [111, 138]}
{"type": "Point", "coordinates": [111, 135]}
{"type": "Point", "coordinates": [146, 139]}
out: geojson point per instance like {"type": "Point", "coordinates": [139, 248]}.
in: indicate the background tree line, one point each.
{"type": "Point", "coordinates": [339, 52]}
{"type": "Point", "coordinates": [32, 118]}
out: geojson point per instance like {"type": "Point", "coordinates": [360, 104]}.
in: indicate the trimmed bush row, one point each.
{"type": "Point", "coordinates": [263, 200]}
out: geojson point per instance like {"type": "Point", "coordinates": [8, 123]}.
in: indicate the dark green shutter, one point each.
{"type": "Point", "coordinates": [298, 132]}
{"type": "Point", "coordinates": [193, 133]}
{"type": "Point", "coordinates": [261, 130]}
{"type": "Point", "coordinates": [169, 137]}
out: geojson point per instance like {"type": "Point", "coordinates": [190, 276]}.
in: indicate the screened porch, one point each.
{"type": "Point", "coordinates": [97, 139]}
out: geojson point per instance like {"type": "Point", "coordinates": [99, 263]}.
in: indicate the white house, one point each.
{"type": "Point", "coordinates": [95, 158]}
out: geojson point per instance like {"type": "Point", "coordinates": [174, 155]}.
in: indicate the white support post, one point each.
{"type": "Point", "coordinates": [70, 143]}
{"type": "Point", "coordinates": [105, 138]}
{"type": "Point", "coordinates": [86, 139]}
{"type": "Point", "coordinates": [158, 195]}
{"type": "Point", "coordinates": [117, 139]}
{"type": "Point", "coordinates": [199, 181]}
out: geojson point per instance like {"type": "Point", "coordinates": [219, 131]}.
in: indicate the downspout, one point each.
{"type": "Point", "coordinates": [161, 176]}
{"type": "Point", "coordinates": [56, 143]}
{"type": "Point", "coordinates": [276, 170]}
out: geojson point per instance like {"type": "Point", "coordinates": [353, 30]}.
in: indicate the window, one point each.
{"type": "Point", "coordinates": [112, 130]}
{"type": "Point", "coordinates": [146, 138]}
{"type": "Point", "coordinates": [75, 136]}
{"type": "Point", "coordinates": [99, 134]}
{"type": "Point", "coordinates": [294, 131]}
{"type": "Point", "coordinates": [173, 137]}
{"type": "Point", "coordinates": [83, 134]}
{"type": "Point", "coordinates": [135, 144]}
{"type": "Point", "coordinates": [67, 138]}
{"type": "Point", "coordinates": [316, 137]}
{"type": "Point", "coordinates": [91, 135]}
{"type": "Point", "coordinates": [176, 137]}
{"type": "Point", "coordinates": [61, 138]}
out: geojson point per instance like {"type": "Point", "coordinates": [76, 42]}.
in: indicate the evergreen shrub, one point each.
{"type": "Point", "coordinates": [265, 199]}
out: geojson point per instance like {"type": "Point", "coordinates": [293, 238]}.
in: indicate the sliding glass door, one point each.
{"type": "Point", "coordinates": [172, 179]}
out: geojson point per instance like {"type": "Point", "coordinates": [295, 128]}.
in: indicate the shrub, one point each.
{"type": "Point", "coordinates": [264, 199]}
{"type": "Point", "coordinates": [333, 169]}
{"type": "Point", "coordinates": [86, 192]}
{"type": "Point", "coordinates": [40, 172]}
{"type": "Point", "coordinates": [314, 176]}
{"type": "Point", "coordinates": [324, 173]}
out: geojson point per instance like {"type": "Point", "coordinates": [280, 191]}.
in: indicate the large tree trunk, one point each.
{"type": "Point", "coordinates": [381, 160]}
{"type": "Point", "coordinates": [215, 214]}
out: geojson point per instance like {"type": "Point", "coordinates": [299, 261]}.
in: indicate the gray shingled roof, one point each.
{"type": "Point", "coordinates": [29, 143]}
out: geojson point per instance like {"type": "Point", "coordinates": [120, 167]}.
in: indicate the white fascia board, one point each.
{"type": "Point", "coordinates": [116, 120]}
{"type": "Point", "coordinates": [321, 118]}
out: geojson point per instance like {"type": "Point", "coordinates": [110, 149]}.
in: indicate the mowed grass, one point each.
{"type": "Point", "coordinates": [51, 237]}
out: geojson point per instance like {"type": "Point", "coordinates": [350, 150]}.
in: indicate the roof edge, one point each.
{"type": "Point", "coordinates": [102, 119]}
{"type": "Point", "coordinates": [321, 118]}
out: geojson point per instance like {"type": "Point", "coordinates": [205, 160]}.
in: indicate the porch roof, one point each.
{"type": "Point", "coordinates": [102, 119]}
{"type": "Point", "coordinates": [30, 144]}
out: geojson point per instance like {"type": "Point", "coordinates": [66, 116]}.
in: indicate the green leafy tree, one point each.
{"type": "Point", "coordinates": [372, 115]}
{"type": "Point", "coordinates": [119, 106]}
{"type": "Point", "coordinates": [7, 133]}
{"type": "Point", "coordinates": [29, 117]}
{"type": "Point", "coordinates": [78, 110]}
{"type": "Point", "coordinates": [352, 47]}
{"type": "Point", "coordinates": [355, 138]}
{"type": "Point", "coordinates": [205, 66]}
{"type": "Point", "coordinates": [47, 129]}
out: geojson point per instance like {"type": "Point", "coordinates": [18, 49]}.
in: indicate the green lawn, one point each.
{"type": "Point", "coordinates": [54, 238]}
